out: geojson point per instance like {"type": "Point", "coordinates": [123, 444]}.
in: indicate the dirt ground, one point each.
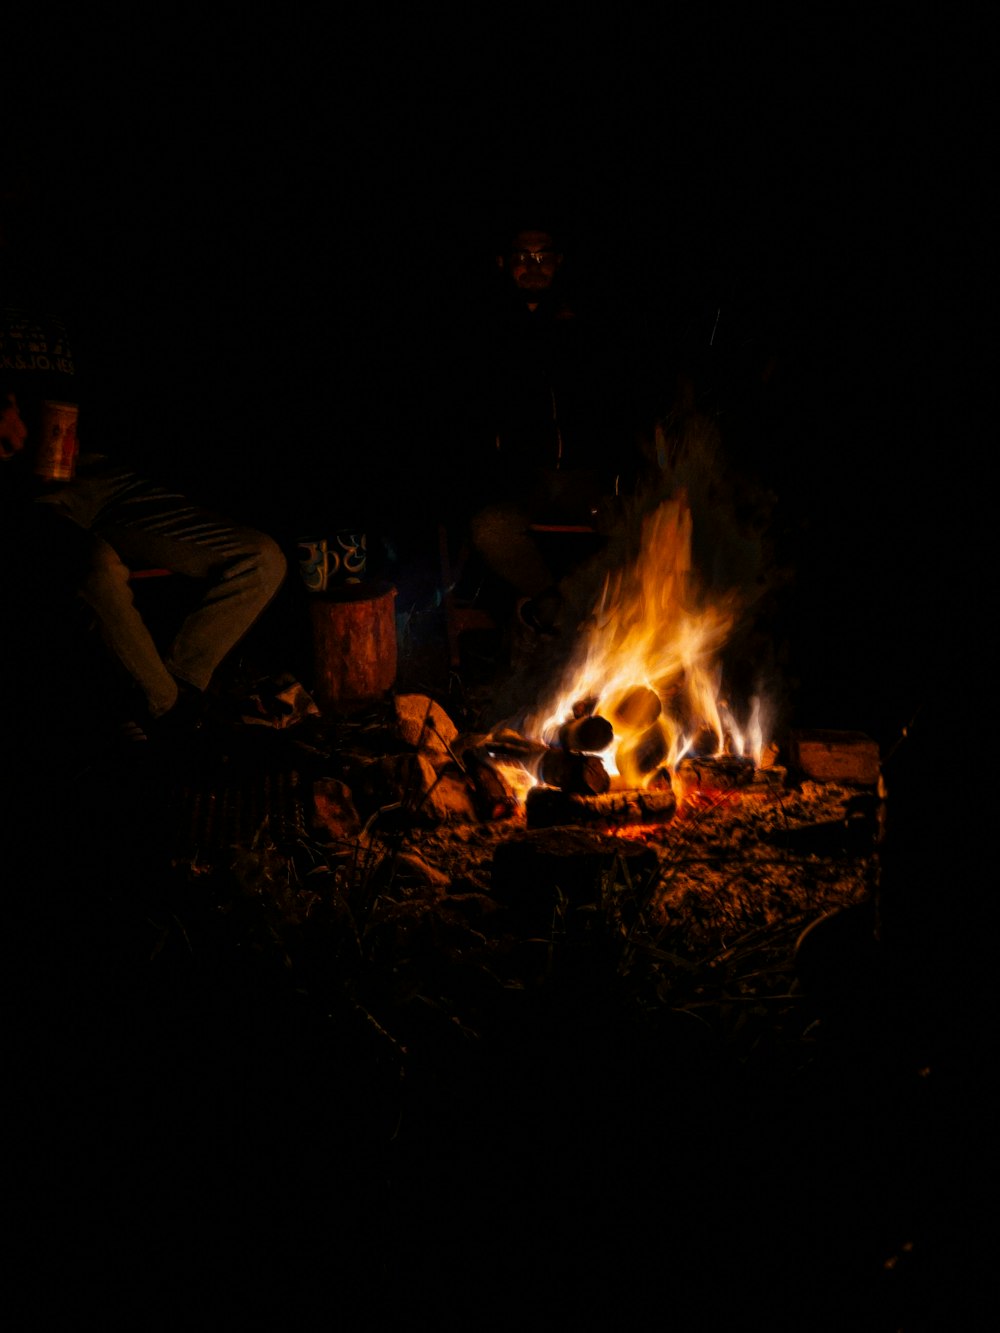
{"type": "Point", "coordinates": [248, 1087]}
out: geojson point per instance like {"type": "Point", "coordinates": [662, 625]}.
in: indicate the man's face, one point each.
{"type": "Point", "coordinates": [533, 261]}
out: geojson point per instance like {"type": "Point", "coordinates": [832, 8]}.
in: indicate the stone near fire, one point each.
{"type": "Point", "coordinates": [425, 795]}
{"type": "Point", "coordinates": [835, 756]}
{"type": "Point", "coordinates": [413, 865]}
{"type": "Point", "coordinates": [424, 724]}
{"type": "Point", "coordinates": [441, 797]}
{"type": "Point", "coordinates": [333, 809]}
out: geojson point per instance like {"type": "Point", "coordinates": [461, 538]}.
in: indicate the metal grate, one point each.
{"type": "Point", "coordinates": [237, 811]}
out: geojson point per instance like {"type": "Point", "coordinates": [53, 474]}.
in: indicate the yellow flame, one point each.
{"type": "Point", "coordinates": [650, 658]}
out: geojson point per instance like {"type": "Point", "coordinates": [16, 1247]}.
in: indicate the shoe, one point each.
{"type": "Point", "coordinates": [166, 740]}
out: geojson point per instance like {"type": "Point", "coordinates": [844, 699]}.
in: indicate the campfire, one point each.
{"type": "Point", "coordinates": [638, 718]}
{"type": "Point", "coordinates": [630, 795]}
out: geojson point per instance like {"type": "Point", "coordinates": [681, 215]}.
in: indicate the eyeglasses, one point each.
{"type": "Point", "coordinates": [533, 256]}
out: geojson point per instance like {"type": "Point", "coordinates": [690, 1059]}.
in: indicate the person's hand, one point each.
{"type": "Point", "coordinates": [13, 431]}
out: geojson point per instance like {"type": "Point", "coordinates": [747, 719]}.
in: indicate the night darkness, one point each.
{"type": "Point", "coordinates": [264, 235]}
{"type": "Point", "coordinates": [267, 234]}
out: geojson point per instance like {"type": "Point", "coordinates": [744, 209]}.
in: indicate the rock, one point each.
{"type": "Point", "coordinates": [333, 809]}
{"type": "Point", "coordinates": [422, 870]}
{"type": "Point", "coordinates": [429, 793]}
{"type": "Point", "coordinates": [444, 798]}
{"type": "Point", "coordinates": [425, 725]}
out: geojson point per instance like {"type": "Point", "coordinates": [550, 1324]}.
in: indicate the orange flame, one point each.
{"type": "Point", "coordinates": [650, 660]}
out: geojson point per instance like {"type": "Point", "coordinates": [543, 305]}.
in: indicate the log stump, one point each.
{"type": "Point", "coordinates": [543, 873]}
{"type": "Point", "coordinates": [354, 644]}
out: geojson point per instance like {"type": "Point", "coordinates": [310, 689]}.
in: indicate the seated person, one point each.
{"type": "Point", "coordinates": [72, 534]}
{"type": "Point", "coordinates": [554, 452]}
{"type": "Point", "coordinates": [86, 534]}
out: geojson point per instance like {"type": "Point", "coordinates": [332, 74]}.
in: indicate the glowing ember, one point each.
{"type": "Point", "coordinates": [649, 662]}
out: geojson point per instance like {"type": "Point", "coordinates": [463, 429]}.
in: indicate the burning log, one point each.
{"type": "Point", "coordinates": [722, 773]}
{"type": "Point", "coordinates": [705, 742]}
{"type": "Point", "coordinates": [643, 754]}
{"type": "Point", "coordinates": [493, 796]}
{"type": "Point", "coordinates": [592, 734]}
{"type": "Point", "coordinates": [548, 807]}
{"type": "Point", "coordinates": [637, 709]}
{"type": "Point", "coordinates": [511, 745]}
{"type": "Point", "coordinates": [572, 771]}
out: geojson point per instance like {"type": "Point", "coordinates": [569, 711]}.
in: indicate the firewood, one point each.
{"type": "Point", "coordinates": [638, 707]}
{"type": "Point", "coordinates": [573, 771]}
{"type": "Point", "coordinates": [835, 756]}
{"type": "Point", "coordinates": [592, 734]}
{"type": "Point", "coordinates": [644, 753]}
{"type": "Point", "coordinates": [548, 807]}
{"type": "Point", "coordinates": [494, 798]}
{"type": "Point", "coordinates": [511, 745]}
{"type": "Point", "coordinates": [722, 773]}
{"type": "Point", "coordinates": [705, 741]}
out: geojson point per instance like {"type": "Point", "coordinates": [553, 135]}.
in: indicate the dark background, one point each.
{"type": "Point", "coordinates": [268, 227]}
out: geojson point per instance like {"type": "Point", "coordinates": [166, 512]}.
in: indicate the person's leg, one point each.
{"type": "Point", "coordinates": [106, 589]}
{"type": "Point", "coordinates": [138, 523]}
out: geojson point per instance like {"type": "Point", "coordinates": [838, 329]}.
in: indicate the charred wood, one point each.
{"type": "Point", "coordinates": [571, 771]}
{"type": "Point", "coordinates": [493, 796]}
{"type": "Point", "coordinates": [593, 734]}
{"type": "Point", "coordinates": [551, 764]}
{"type": "Point", "coordinates": [511, 745]}
{"type": "Point", "coordinates": [644, 753]}
{"type": "Point", "coordinates": [549, 807]}
{"type": "Point", "coordinates": [722, 773]}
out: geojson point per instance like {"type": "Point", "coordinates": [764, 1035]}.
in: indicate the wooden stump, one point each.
{"type": "Point", "coordinates": [835, 756]}
{"type": "Point", "coordinates": [354, 644]}
{"type": "Point", "coordinates": [537, 871]}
